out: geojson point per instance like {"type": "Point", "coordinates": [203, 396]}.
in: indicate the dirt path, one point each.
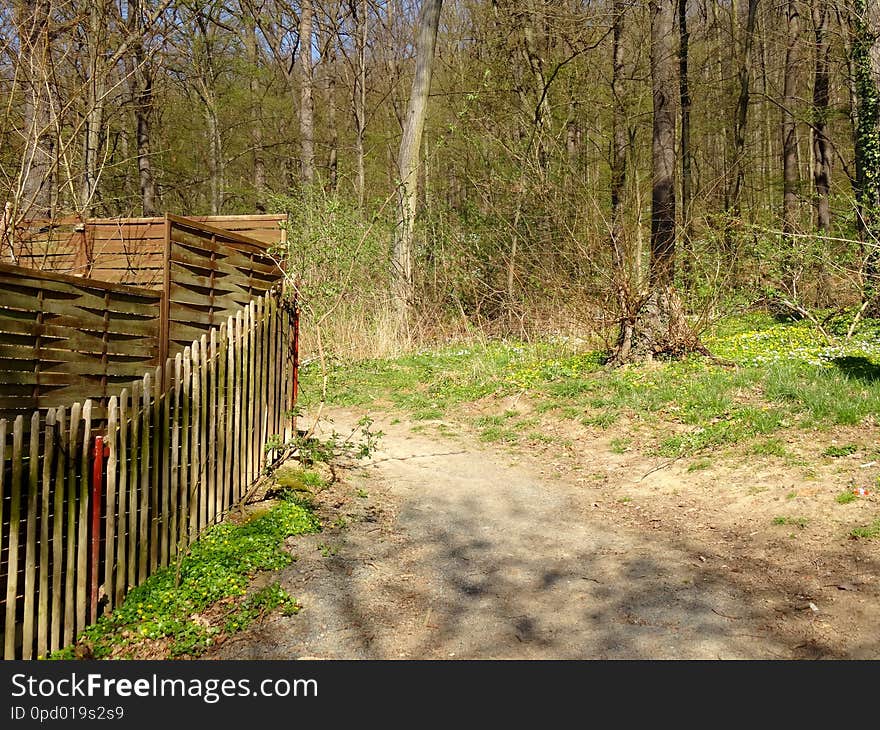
{"type": "Point", "coordinates": [455, 551]}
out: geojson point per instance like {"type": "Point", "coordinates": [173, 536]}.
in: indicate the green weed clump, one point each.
{"type": "Point", "coordinates": [867, 532]}
{"type": "Point", "coordinates": [218, 566]}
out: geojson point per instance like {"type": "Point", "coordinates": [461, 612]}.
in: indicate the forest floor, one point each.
{"type": "Point", "coordinates": [442, 547]}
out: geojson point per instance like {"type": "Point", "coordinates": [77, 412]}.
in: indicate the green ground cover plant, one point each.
{"type": "Point", "coordinates": [214, 574]}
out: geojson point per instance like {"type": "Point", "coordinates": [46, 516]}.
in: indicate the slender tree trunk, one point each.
{"type": "Point", "coordinates": [215, 153]}
{"type": "Point", "coordinates": [685, 138]}
{"type": "Point", "coordinates": [255, 114]}
{"type": "Point", "coordinates": [330, 102]}
{"type": "Point", "coordinates": [821, 146]}
{"type": "Point", "coordinates": [143, 118]}
{"type": "Point", "coordinates": [359, 94]}
{"type": "Point", "coordinates": [619, 268]}
{"type": "Point", "coordinates": [789, 125]}
{"type": "Point", "coordinates": [663, 70]}
{"type": "Point", "coordinates": [658, 326]}
{"type": "Point", "coordinates": [95, 107]}
{"type": "Point", "coordinates": [408, 161]}
{"type": "Point", "coordinates": [306, 106]}
{"type": "Point", "coordinates": [37, 175]}
{"type": "Point", "coordinates": [740, 120]}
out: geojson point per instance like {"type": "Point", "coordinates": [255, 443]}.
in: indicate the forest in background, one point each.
{"type": "Point", "coordinates": [537, 171]}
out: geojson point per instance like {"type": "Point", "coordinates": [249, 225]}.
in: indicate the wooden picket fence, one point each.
{"type": "Point", "coordinates": [88, 512]}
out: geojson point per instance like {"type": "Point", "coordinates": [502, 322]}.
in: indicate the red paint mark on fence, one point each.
{"type": "Point", "coordinates": [97, 491]}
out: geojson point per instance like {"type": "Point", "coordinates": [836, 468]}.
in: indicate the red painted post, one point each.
{"type": "Point", "coordinates": [97, 492]}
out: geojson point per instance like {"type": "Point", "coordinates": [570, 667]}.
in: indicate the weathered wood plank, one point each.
{"type": "Point", "coordinates": [82, 550]}
{"type": "Point", "coordinates": [194, 434]}
{"type": "Point", "coordinates": [175, 455]}
{"type": "Point", "coordinates": [157, 445]}
{"type": "Point", "coordinates": [203, 436]}
{"type": "Point", "coordinates": [45, 511]}
{"type": "Point", "coordinates": [9, 633]}
{"type": "Point", "coordinates": [167, 520]}
{"type": "Point", "coordinates": [58, 527]}
{"type": "Point", "coordinates": [212, 430]}
{"type": "Point", "coordinates": [110, 503]}
{"type": "Point", "coordinates": [229, 408]}
{"type": "Point", "coordinates": [133, 482]}
{"type": "Point", "coordinates": [144, 506]}
{"type": "Point", "coordinates": [185, 440]}
{"type": "Point", "coordinates": [73, 461]}
{"type": "Point", "coordinates": [30, 558]}
{"type": "Point", "coordinates": [122, 542]}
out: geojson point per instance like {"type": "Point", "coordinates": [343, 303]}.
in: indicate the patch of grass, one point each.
{"type": "Point", "coordinates": [845, 497]}
{"type": "Point", "coordinates": [362, 493]}
{"type": "Point", "coordinates": [699, 465]}
{"type": "Point", "coordinates": [603, 419]}
{"type": "Point", "coordinates": [768, 447]}
{"type": "Point", "coordinates": [791, 495]}
{"type": "Point", "coordinates": [497, 433]}
{"type": "Point", "coordinates": [328, 551]}
{"type": "Point", "coordinates": [838, 451]}
{"type": "Point", "coordinates": [866, 532]}
{"type": "Point", "coordinates": [620, 445]}
{"type": "Point", "coordinates": [298, 479]}
{"type": "Point", "coordinates": [218, 566]}
{"type": "Point", "coordinates": [258, 604]}
{"type": "Point", "coordinates": [538, 437]}
{"type": "Point", "coordinates": [800, 522]}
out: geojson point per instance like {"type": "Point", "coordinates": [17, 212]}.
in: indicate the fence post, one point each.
{"type": "Point", "coordinates": [97, 489]}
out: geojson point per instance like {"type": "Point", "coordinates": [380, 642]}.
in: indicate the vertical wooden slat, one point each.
{"type": "Point", "coordinates": [167, 521]}
{"type": "Point", "coordinates": [30, 558]}
{"type": "Point", "coordinates": [45, 499]}
{"type": "Point", "coordinates": [212, 430]}
{"type": "Point", "coordinates": [72, 444]}
{"type": "Point", "coordinates": [14, 525]}
{"type": "Point", "coordinates": [260, 382]}
{"type": "Point", "coordinates": [252, 389]}
{"type": "Point", "coordinates": [221, 421]}
{"type": "Point", "coordinates": [236, 436]}
{"type": "Point", "coordinates": [58, 527]}
{"type": "Point", "coordinates": [110, 502]}
{"type": "Point", "coordinates": [144, 506]}
{"type": "Point", "coordinates": [203, 436]}
{"type": "Point", "coordinates": [157, 440]}
{"type": "Point", "coordinates": [195, 486]}
{"type": "Point", "coordinates": [3, 484]}
{"type": "Point", "coordinates": [229, 393]}
{"type": "Point", "coordinates": [272, 366]}
{"type": "Point", "coordinates": [123, 488]}
{"type": "Point", "coordinates": [175, 456]}
{"type": "Point", "coordinates": [184, 449]}
{"type": "Point", "coordinates": [82, 548]}
{"type": "Point", "coordinates": [133, 479]}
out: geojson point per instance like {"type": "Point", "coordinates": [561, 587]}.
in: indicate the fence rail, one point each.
{"type": "Point", "coordinates": [89, 510]}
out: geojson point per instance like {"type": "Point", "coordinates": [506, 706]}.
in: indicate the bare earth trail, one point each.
{"type": "Point", "coordinates": [450, 550]}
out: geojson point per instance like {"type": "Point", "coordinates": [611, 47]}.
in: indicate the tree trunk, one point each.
{"type": "Point", "coordinates": [663, 71]}
{"type": "Point", "coordinates": [866, 68]}
{"type": "Point", "coordinates": [140, 74]}
{"type": "Point", "coordinates": [36, 183]}
{"type": "Point", "coordinates": [95, 103]}
{"type": "Point", "coordinates": [359, 94]}
{"type": "Point", "coordinates": [256, 121]}
{"type": "Point", "coordinates": [821, 146]}
{"type": "Point", "coordinates": [685, 138]}
{"type": "Point", "coordinates": [658, 327]}
{"type": "Point", "coordinates": [306, 106]}
{"type": "Point", "coordinates": [789, 125]}
{"type": "Point", "coordinates": [408, 161]}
